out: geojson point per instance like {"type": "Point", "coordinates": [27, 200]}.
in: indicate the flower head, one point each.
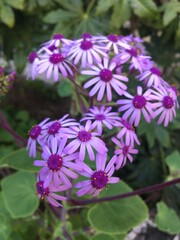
{"type": "Point", "coordinates": [99, 178]}
{"type": "Point", "coordinates": [123, 153]}
{"type": "Point", "coordinates": [136, 105]}
{"type": "Point", "coordinates": [56, 164]}
{"type": "Point", "coordinates": [85, 139]}
{"type": "Point", "coordinates": [57, 40]}
{"type": "Point", "coordinates": [101, 117]}
{"type": "Point", "coordinates": [105, 80]}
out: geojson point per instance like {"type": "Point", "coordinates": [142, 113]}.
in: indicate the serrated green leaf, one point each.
{"type": "Point", "coordinates": [119, 216]}
{"type": "Point", "coordinates": [64, 88]}
{"type": "Point", "coordinates": [162, 136]}
{"type": "Point", "coordinates": [173, 162]}
{"type": "Point", "coordinates": [7, 16]}
{"type": "Point", "coordinates": [168, 17]}
{"type": "Point", "coordinates": [105, 5]}
{"type": "Point", "coordinates": [144, 8]}
{"type": "Point", "coordinates": [163, 217]}
{"type": "Point", "coordinates": [19, 160]}
{"type": "Point", "coordinates": [58, 15]}
{"type": "Point", "coordinates": [18, 4]}
{"type": "Point", "coordinates": [19, 194]}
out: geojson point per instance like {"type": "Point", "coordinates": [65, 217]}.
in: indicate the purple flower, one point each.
{"type": "Point", "coordinates": [128, 132]}
{"type": "Point", "coordinates": [1, 70]}
{"type": "Point", "coordinates": [123, 153]}
{"type": "Point", "coordinates": [33, 62]}
{"type": "Point", "coordinates": [101, 117]}
{"type": "Point", "coordinates": [35, 136]}
{"type": "Point", "coordinates": [104, 80]}
{"type": "Point", "coordinates": [87, 51]}
{"type": "Point", "coordinates": [84, 140]}
{"type": "Point", "coordinates": [112, 41]}
{"type": "Point", "coordinates": [57, 40]}
{"type": "Point", "coordinates": [164, 104]}
{"type": "Point", "coordinates": [136, 105]}
{"type": "Point", "coordinates": [54, 63]}
{"type": "Point", "coordinates": [49, 192]}
{"type": "Point", "coordinates": [57, 129]}
{"type": "Point", "coordinates": [98, 179]}
{"type": "Point", "coordinates": [151, 77]}
{"type": "Point", "coordinates": [55, 164]}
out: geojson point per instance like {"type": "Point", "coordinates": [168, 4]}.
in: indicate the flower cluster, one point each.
{"type": "Point", "coordinates": [68, 146]}
{"type": "Point", "coordinates": [6, 81]}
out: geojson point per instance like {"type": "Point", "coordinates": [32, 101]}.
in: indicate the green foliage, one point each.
{"type": "Point", "coordinates": [20, 200]}
{"type": "Point", "coordinates": [19, 160]}
{"type": "Point", "coordinates": [145, 9]}
{"type": "Point", "coordinates": [167, 220]}
{"type": "Point", "coordinates": [119, 216]}
{"type": "Point", "coordinates": [65, 88]}
{"type": "Point", "coordinates": [173, 162]}
{"type": "Point", "coordinates": [103, 236]}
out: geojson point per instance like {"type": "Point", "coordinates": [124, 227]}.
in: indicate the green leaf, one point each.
{"type": "Point", "coordinates": [168, 17]}
{"type": "Point", "coordinates": [104, 5]}
{"type": "Point", "coordinates": [162, 136]}
{"type": "Point", "coordinates": [121, 13]}
{"type": "Point", "coordinates": [18, 4]}
{"type": "Point", "coordinates": [103, 236]}
{"type": "Point", "coordinates": [57, 15]}
{"type": "Point", "coordinates": [144, 8]}
{"type": "Point", "coordinates": [173, 162]}
{"type": "Point", "coordinates": [7, 16]}
{"type": "Point", "coordinates": [119, 216]}
{"type": "Point", "coordinates": [19, 160]}
{"type": "Point", "coordinates": [166, 219]}
{"type": "Point", "coordinates": [19, 194]}
{"type": "Point", "coordinates": [64, 88]}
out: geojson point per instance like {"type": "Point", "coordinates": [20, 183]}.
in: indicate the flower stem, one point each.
{"type": "Point", "coordinates": [156, 187]}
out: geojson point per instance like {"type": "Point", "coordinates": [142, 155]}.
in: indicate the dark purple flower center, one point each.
{"type": "Point", "coordinates": [132, 52]}
{"type": "Point", "coordinates": [84, 136]}
{"type": "Point", "coordinates": [127, 125]}
{"type": "Point", "coordinates": [139, 101]}
{"type": "Point", "coordinates": [41, 190]}
{"type": "Point", "coordinates": [32, 56]}
{"type": "Point", "coordinates": [99, 179]}
{"type": "Point", "coordinates": [125, 150]}
{"type": "Point", "coordinates": [106, 75]}
{"type": "Point", "coordinates": [55, 162]}
{"type": "Point", "coordinates": [86, 45]}
{"type": "Point", "coordinates": [86, 35]}
{"type": "Point", "coordinates": [52, 48]}
{"type": "Point", "coordinates": [56, 58]}
{"type": "Point", "coordinates": [168, 102]}
{"type": "Point", "coordinates": [112, 38]}
{"type": "Point", "coordinates": [54, 127]}
{"type": "Point", "coordinates": [100, 117]}
{"type": "Point", "coordinates": [155, 71]}
{"type": "Point", "coordinates": [58, 36]}
{"type": "Point", "coordinates": [35, 131]}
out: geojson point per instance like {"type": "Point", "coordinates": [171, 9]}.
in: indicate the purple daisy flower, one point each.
{"type": "Point", "coordinates": [49, 192]}
{"type": "Point", "coordinates": [87, 50]}
{"type": "Point", "coordinates": [84, 140]}
{"type": "Point", "coordinates": [132, 56]}
{"type": "Point", "coordinates": [35, 136]}
{"type": "Point", "coordinates": [102, 116]}
{"type": "Point", "coordinates": [32, 66]}
{"type": "Point", "coordinates": [57, 40]}
{"type": "Point", "coordinates": [55, 164]}
{"type": "Point", "coordinates": [57, 129]}
{"type": "Point", "coordinates": [104, 80]}
{"type": "Point", "coordinates": [112, 41]}
{"type": "Point", "coordinates": [151, 77]}
{"type": "Point", "coordinates": [165, 104]}
{"type": "Point", "coordinates": [136, 105]}
{"type": "Point", "coordinates": [123, 153]}
{"type": "Point", "coordinates": [128, 132]}
{"type": "Point", "coordinates": [98, 179]}
{"type": "Point", "coordinates": [54, 63]}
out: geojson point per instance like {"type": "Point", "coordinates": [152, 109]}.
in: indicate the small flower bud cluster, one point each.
{"type": "Point", "coordinates": [6, 81]}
